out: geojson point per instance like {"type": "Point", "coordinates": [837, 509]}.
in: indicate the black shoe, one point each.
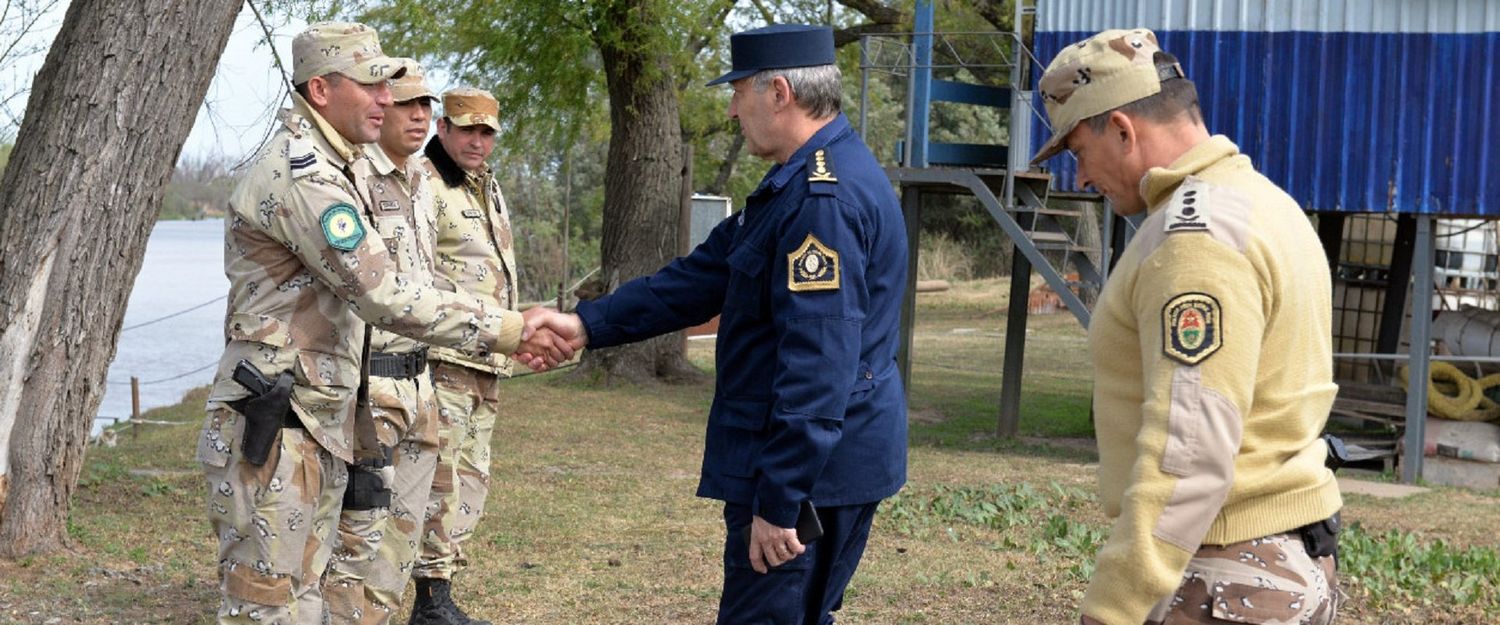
{"type": "Point", "coordinates": [434, 606]}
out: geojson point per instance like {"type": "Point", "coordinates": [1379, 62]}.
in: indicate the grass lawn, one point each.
{"type": "Point", "coordinates": [592, 517]}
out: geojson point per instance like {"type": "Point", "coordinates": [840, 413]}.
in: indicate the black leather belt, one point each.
{"type": "Point", "coordinates": [400, 366]}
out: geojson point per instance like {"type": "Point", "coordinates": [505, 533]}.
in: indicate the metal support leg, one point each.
{"type": "Point", "coordinates": [911, 204]}
{"type": "Point", "coordinates": [1015, 346]}
{"type": "Point", "coordinates": [1331, 233]}
{"type": "Point", "coordinates": [1393, 310]}
{"type": "Point", "coordinates": [1421, 352]}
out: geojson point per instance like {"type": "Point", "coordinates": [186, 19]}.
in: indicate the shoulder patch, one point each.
{"type": "Point", "coordinates": [1190, 328]}
{"type": "Point", "coordinates": [342, 227]}
{"type": "Point", "coordinates": [821, 170]}
{"type": "Point", "coordinates": [306, 160]}
{"type": "Point", "coordinates": [1201, 206]}
{"type": "Point", "coordinates": [1188, 210]}
{"type": "Point", "coordinates": [301, 159]}
{"type": "Point", "coordinates": [812, 267]}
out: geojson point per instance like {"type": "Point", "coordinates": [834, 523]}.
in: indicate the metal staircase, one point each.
{"type": "Point", "coordinates": [1043, 225]}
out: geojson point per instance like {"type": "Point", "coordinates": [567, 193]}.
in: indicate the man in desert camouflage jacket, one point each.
{"type": "Point", "coordinates": [304, 278]}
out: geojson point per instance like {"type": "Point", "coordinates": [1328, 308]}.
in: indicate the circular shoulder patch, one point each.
{"type": "Point", "coordinates": [342, 227]}
{"type": "Point", "coordinates": [1190, 328]}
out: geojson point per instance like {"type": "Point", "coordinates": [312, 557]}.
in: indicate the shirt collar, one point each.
{"type": "Point", "coordinates": [780, 174]}
{"type": "Point", "coordinates": [1160, 182]}
{"type": "Point", "coordinates": [382, 161]}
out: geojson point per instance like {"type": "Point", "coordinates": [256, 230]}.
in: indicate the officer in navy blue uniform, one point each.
{"type": "Point", "coordinates": [809, 280]}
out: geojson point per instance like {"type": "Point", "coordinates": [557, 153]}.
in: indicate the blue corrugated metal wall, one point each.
{"type": "Point", "coordinates": [1345, 121]}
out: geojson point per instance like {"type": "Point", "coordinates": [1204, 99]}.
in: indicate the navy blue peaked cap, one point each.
{"type": "Point", "coordinates": [776, 47]}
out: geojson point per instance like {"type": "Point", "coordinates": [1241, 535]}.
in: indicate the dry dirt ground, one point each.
{"type": "Point", "coordinates": [592, 518]}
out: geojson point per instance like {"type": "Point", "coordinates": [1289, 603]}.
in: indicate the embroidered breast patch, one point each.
{"type": "Point", "coordinates": [812, 267]}
{"type": "Point", "coordinates": [1190, 328]}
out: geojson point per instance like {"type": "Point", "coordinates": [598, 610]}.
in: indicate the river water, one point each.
{"type": "Point", "coordinates": [183, 268]}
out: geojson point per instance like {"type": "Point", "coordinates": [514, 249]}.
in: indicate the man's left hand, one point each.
{"type": "Point", "coordinates": [772, 546]}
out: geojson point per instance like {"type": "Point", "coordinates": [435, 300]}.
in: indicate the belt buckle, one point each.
{"type": "Point", "coordinates": [418, 360]}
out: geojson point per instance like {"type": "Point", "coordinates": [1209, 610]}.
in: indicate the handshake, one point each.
{"type": "Point", "coordinates": [549, 338]}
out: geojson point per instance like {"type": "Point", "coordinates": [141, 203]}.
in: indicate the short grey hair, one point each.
{"type": "Point", "coordinates": [818, 89]}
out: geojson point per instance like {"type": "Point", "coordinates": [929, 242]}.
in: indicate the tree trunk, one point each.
{"type": "Point", "coordinates": [642, 181]}
{"type": "Point", "coordinates": [105, 122]}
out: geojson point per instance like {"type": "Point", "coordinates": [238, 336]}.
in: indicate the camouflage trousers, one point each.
{"type": "Point", "coordinates": [376, 548]}
{"type": "Point", "coordinates": [275, 523]}
{"type": "Point", "coordinates": [468, 405]}
{"type": "Point", "coordinates": [1270, 580]}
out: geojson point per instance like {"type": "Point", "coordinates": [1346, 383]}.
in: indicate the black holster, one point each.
{"type": "Point", "coordinates": [264, 415]}
{"type": "Point", "coordinates": [367, 490]}
{"type": "Point", "coordinates": [1322, 538]}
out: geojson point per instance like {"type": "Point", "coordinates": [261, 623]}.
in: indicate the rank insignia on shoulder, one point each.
{"type": "Point", "coordinates": [1190, 328]}
{"type": "Point", "coordinates": [812, 267]}
{"type": "Point", "coordinates": [342, 227]}
{"type": "Point", "coordinates": [820, 170]}
{"type": "Point", "coordinates": [1188, 210]}
{"type": "Point", "coordinates": [304, 161]}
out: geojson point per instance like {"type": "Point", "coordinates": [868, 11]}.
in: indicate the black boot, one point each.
{"type": "Point", "coordinates": [434, 606]}
{"type": "Point", "coordinates": [427, 609]}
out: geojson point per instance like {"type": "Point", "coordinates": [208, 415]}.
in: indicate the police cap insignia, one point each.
{"type": "Point", "coordinates": [812, 267]}
{"type": "Point", "coordinates": [1190, 328]}
{"type": "Point", "coordinates": [342, 227]}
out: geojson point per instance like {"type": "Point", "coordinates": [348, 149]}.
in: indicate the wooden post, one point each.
{"type": "Point", "coordinates": [135, 407]}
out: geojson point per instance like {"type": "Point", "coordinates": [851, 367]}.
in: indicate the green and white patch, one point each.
{"type": "Point", "coordinates": [342, 227]}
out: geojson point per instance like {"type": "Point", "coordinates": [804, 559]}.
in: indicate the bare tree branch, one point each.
{"type": "Point", "coordinates": [878, 12]}
{"type": "Point", "coordinates": [707, 27]}
{"type": "Point", "coordinates": [726, 169]}
{"type": "Point", "coordinates": [765, 12]}
{"type": "Point", "coordinates": [883, 19]}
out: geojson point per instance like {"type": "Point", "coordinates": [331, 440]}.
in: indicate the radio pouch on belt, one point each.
{"type": "Point", "coordinates": [367, 488]}
{"type": "Point", "coordinates": [265, 410]}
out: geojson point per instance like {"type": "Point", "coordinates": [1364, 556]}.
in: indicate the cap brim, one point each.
{"type": "Point", "coordinates": [375, 70]}
{"type": "Point", "coordinates": [1053, 146]}
{"type": "Point", "coordinates": [406, 94]}
{"type": "Point", "coordinates": [731, 77]}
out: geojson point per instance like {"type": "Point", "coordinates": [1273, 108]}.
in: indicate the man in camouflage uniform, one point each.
{"type": "Point", "coordinates": [304, 279]}
{"type": "Point", "coordinates": [1213, 368]}
{"type": "Point", "coordinates": [474, 251]}
{"type": "Point", "coordinates": [373, 559]}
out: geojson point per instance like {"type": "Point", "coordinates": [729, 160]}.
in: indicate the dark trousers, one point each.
{"type": "Point", "coordinates": [804, 591]}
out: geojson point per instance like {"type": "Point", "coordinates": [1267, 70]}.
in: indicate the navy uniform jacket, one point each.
{"type": "Point", "coordinates": [810, 279]}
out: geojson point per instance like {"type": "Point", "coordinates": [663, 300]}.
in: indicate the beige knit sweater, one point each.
{"type": "Point", "coordinates": [1213, 363]}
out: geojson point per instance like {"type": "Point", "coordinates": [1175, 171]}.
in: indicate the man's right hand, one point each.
{"type": "Point", "coordinates": [550, 338]}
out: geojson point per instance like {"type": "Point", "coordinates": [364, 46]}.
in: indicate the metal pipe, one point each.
{"type": "Point", "coordinates": [1421, 336]}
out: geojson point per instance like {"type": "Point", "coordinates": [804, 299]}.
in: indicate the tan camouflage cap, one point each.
{"type": "Point", "coordinates": [466, 106]}
{"type": "Point", "coordinates": [350, 49]}
{"type": "Point", "coordinates": [1099, 74]}
{"type": "Point", "coordinates": [412, 84]}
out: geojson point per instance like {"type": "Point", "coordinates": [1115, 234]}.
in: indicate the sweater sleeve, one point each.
{"type": "Point", "coordinates": [1201, 309]}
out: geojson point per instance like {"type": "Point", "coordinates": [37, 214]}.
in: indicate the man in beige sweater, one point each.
{"type": "Point", "coordinates": [1212, 354]}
